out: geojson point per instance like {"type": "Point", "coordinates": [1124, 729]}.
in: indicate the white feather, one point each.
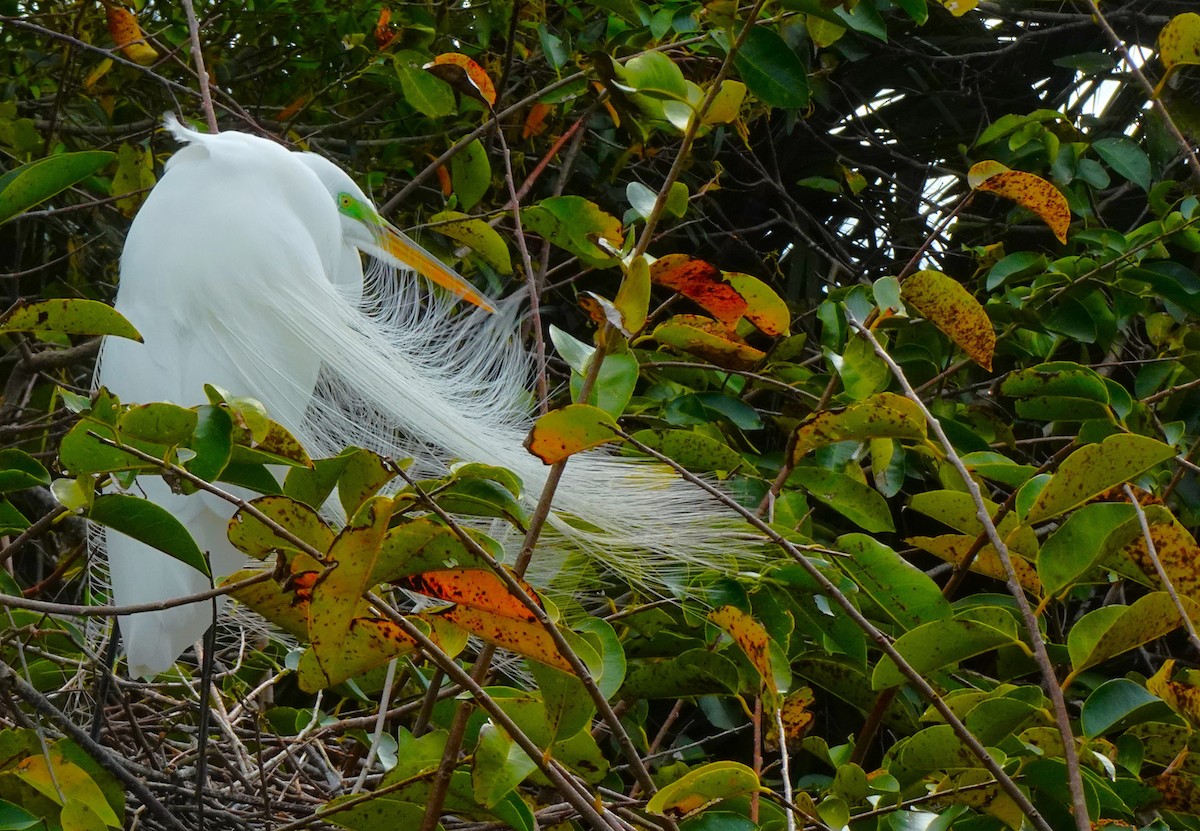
{"type": "Point", "coordinates": [240, 271]}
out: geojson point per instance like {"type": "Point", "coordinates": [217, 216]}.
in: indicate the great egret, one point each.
{"type": "Point", "coordinates": [243, 269]}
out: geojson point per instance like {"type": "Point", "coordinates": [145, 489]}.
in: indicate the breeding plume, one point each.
{"type": "Point", "coordinates": [244, 269]}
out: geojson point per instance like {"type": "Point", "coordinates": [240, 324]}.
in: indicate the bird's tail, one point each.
{"type": "Point", "coordinates": [457, 385]}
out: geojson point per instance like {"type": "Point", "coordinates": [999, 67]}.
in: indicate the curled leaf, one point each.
{"type": "Point", "coordinates": [1029, 191]}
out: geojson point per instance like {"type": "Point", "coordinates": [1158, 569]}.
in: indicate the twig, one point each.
{"type": "Point", "coordinates": [206, 102]}
{"type": "Point", "coordinates": [1152, 553]}
{"type": "Point", "coordinates": [882, 641]}
{"type": "Point", "coordinates": [1041, 657]}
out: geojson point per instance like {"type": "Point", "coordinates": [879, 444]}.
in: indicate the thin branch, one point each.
{"type": "Point", "coordinates": [206, 102]}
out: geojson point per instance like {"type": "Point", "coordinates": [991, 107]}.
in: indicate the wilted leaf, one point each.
{"type": "Point", "coordinates": [950, 307]}
{"type": "Point", "coordinates": [753, 640]}
{"type": "Point", "coordinates": [127, 35]}
{"type": "Point", "coordinates": [476, 588]}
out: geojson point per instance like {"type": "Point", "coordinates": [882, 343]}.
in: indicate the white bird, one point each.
{"type": "Point", "coordinates": [243, 270]}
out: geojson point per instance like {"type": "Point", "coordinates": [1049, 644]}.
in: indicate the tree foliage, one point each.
{"type": "Point", "coordinates": [909, 284]}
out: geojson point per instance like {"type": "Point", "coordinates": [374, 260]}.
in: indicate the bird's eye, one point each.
{"type": "Point", "coordinates": [345, 201]}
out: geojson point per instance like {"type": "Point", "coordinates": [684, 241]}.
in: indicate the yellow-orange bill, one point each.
{"type": "Point", "coordinates": [429, 267]}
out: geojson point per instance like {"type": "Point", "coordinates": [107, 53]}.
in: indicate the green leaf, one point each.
{"type": "Point", "coordinates": [1093, 469]}
{"type": "Point", "coordinates": [35, 182]}
{"type": "Point", "coordinates": [499, 766]}
{"type": "Point", "coordinates": [1087, 535]}
{"type": "Point", "coordinates": [1113, 630]}
{"type": "Point", "coordinates": [655, 74]}
{"type": "Point", "coordinates": [1126, 158]}
{"type": "Point", "coordinates": [943, 643]}
{"type": "Point", "coordinates": [865, 19]}
{"type": "Point", "coordinates": [704, 785]}
{"type": "Point", "coordinates": [693, 450]}
{"type": "Point", "coordinates": [574, 224]}
{"type": "Point", "coordinates": [427, 94]}
{"type": "Point", "coordinates": [482, 238]}
{"type": "Point", "coordinates": [146, 522]}
{"type": "Point", "coordinates": [859, 503]}
{"type": "Point", "coordinates": [15, 818]}
{"type": "Point", "coordinates": [904, 592]}
{"type": "Point", "coordinates": [771, 70]}
{"type": "Point", "coordinates": [69, 316]}
{"type": "Point", "coordinates": [471, 174]}
{"type": "Point", "coordinates": [159, 423]}
{"type": "Point", "coordinates": [252, 536]}
{"type": "Point", "coordinates": [19, 470]}
{"type": "Point", "coordinates": [1118, 704]}
{"type": "Point", "coordinates": [886, 415]}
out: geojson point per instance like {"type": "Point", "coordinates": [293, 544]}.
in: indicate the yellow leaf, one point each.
{"type": "Point", "coordinates": [886, 415]}
{"type": "Point", "coordinates": [947, 305]}
{"type": "Point", "coordinates": [764, 308]}
{"type": "Point", "coordinates": [1029, 191]}
{"type": "Point", "coordinates": [959, 7]}
{"type": "Point", "coordinates": [127, 35]}
{"type": "Point", "coordinates": [528, 639]}
{"type": "Point", "coordinates": [707, 339]}
{"type": "Point", "coordinates": [702, 787]}
{"type": "Point", "coordinates": [752, 638]}
{"type": "Point", "coordinates": [1179, 41]}
{"type": "Point", "coordinates": [561, 433]}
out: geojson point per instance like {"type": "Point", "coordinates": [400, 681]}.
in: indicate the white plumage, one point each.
{"type": "Point", "coordinates": [242, 269]}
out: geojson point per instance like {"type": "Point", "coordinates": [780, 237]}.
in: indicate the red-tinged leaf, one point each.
{"type": "Point", "coordinates": [528, 639]}
{"type": "Point", "coordinates": [127, 35]}
{"type": "Point", "coordinates": [384, 34]}
{"type": "Point", "coordinates": [472, 587]}
{"type": "Point", "coordinates": [298, 103]}
{"type": "Point", "coordinates": [535, 120]}
{"type": "Point", "coordinates": [465, 75]}
{"type": "Point", "coordinates": [574, 428]}
{"type": "Point", "coordinates": [764, 308]}
{"type": "Point", "coordinates": [702, 283]}
{"type": "Point", "coordinates": [707, 339]}
{"type": "Point", "coordinates": [1031, 192]}
{"type": "Point", "coordinates": [947, 305]}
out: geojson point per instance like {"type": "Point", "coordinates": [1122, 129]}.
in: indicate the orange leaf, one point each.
{"type": "Point", "coordinates": [294, 107]}
{"type": "Point", "coordinates": [535, 121]}
{"type": "Point", "coordinates": [796, 716]}
{"type": "Point", "coordinates": [943, 301]}
{"type": "Point", "coordinates": [752, 638]}
{"type": "Point", "coordinates": [443, 176]}
{"type": "Point", "coordinates": [465, 75]}
{"type": "Point", "coordinates": [764, 308]}
{"type": "Point", "coordinates": [1030, 192]}
{"type": "Point", "coordinates": [472, 587]}
{"type": "Point", "coordinates": [384, 35]}
{"type": "Point", "coordinates": [528, 639]}
{"type": "Point", "coordinates": [127, 35]}
{"type": "Point", "coordinates": [702, 283]}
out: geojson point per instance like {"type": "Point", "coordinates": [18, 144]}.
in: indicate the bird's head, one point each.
{"type": "Point", "coordinates": [366, 230]}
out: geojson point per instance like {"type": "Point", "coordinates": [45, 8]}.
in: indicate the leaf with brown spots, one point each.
{"type": "Point", "coordinates": [1179, 41]}
{"type": "Point", "coordinates": [1182, 697]}
{"type": "Point", "coordinates": [753, 640]}
{"type": "Point", "coordinates": [1114, 630]}
{"type": "Point", "coordinates": [250, 535]}
{"type": "Point", "coordinates": [764, 308]}
{"type": "Point", "coordinates": [702, 283]}
{"type": "Point", "coordinates": [886, 415]}
{"type": "Point", "coordinates": [1029, 191]}
{"type": "Point", "coordinates": [953, 549]}
{"type": "Point", "coordinates": [702, 787]}
{"type": "Point", "coordinates": [1093, 469]}
{"type": "Point", "coordinates": [472, 587]}
{"type": "Point", "coordinates": [1180, 792]}
{"type": "Point", "coordinates": [797, 718]}
{"type": "Point", "coordinates": [707, 339]}
{"type": "Point", "coordinates": [528, 639]}
{"type": "Point", "coordinates": [947, 305]}
{"type": "Point", "coordinates": [561, 433]}
{"type": "Point", "coordinates": [1177, 552]}
{"type": "Point", "coordinates": [127, 35]}
{"type": "Point", "coordinates": [337, 596]}
{"type": "Point", "coordinates": [285, 605]}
